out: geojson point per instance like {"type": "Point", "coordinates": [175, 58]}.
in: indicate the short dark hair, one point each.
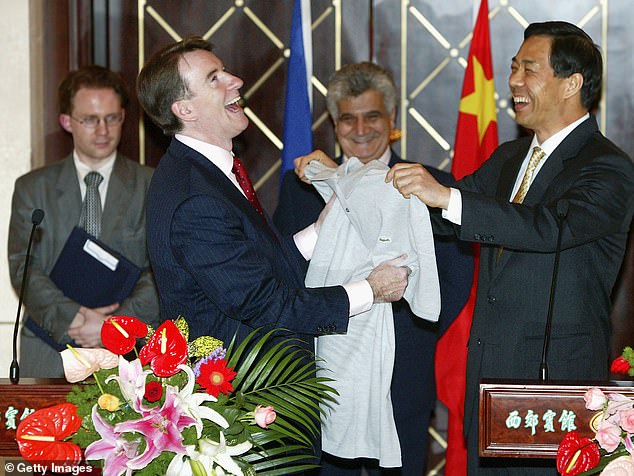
{"type": "Point", "coordinates": [89, 77]}
{"type": "Point", "coordinates": [573, 51]}
{"type": "Point", "coordinates": [352, 80]}
{"type": "Point", "coordinates": [160, 83]}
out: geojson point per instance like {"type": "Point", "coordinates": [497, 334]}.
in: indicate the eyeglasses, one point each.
{"type": "Point", "coordinates": [92, 122]}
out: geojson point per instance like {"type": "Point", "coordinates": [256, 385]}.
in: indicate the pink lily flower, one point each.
{"type": "Point", "coordinates": [114, 450]}
{"type": "Point", "coordinates": [628, 444]}
{"type": "Point", "coordinates": [608, 436]}
{"type": "Point", "coordinates": [616, 403]}
{"type": "Point", "coordinates": [162, 429]}
{"type": "Point", "coordinates": [131, 380]}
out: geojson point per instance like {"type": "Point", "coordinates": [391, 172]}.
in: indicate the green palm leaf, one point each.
{"type": "Point", "coordinates": [281, 367]}
{"type": "Point", "coordinates": [275, 370]}
{"type": "Point", "coordinates": [288, 412]}
{"type": "Point", "coordinates": [258, 376]}
{"type": "Point", "coordinates": [273, 360]}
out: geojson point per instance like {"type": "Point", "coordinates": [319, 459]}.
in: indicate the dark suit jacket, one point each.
{"type": "Point", "coordinates": [413, 390]}
{"type": "Point", "coordinates": [55, 189]}
{"type": "Point", "coordinates": [217, 263]}
{"type": "Point", "coordinates": [597, 181]}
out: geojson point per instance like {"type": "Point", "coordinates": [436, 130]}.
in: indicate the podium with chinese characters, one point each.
{"type": "Point", "coordinates": [19, 400]}
{"type": "Point", "coordinates": [525, 419]}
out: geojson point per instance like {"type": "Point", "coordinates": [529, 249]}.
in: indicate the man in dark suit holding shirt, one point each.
{"type": "Point", "coordinates": [361, 101]}
{"type": "Point", "coordinates": [511, 206]}
{"type": "Point", "coordinates": [216, 256]}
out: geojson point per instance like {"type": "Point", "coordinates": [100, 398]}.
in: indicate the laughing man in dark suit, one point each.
{"type": "Point", "coordinates": [555, 81]}
{"type": "Point", "coordinates": [216, 260]}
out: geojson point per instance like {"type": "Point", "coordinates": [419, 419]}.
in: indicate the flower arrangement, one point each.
{"type": "Point", "coordinates": [611, 451]}
{"type": "Point", "coordinates": [182, 408]}
{"type": "Point", "coordinates": [624, 364]}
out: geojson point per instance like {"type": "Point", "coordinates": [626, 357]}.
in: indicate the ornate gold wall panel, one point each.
{"type": "Point", "coordinates": [424, 44]}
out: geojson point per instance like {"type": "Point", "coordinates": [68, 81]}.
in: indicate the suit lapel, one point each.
{"type": "Point", "coordinates": [508, 175]}
{"type": "Point", "coordinates": [217, 179]}
{"type": "Point", "coordinates": [119, 197]}
{"type": "Point", "coordinates": [68, 195]}
{"type": "Point", "coordinates": [568, 149]}
{"type": "Point", "coordinates": [547, 175]}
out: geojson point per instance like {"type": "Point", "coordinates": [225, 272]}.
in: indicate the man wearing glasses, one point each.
{"type": "Point", "coordinates": [94, 188]}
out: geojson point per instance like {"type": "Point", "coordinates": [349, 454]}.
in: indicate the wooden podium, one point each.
{"type": "Point", "coordinates": [19, 400]}
{"type": "Point", "coordinates": [527, 419]}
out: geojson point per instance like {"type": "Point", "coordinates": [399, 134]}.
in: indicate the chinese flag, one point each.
{"type": "Point", "coordinates": [476, 138]}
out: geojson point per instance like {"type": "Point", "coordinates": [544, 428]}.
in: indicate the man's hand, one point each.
{"type": "Point", "coordinates": [77, 321]}
{"type": "Point", "coordinates": [86, 330]}
{"type": "Point", "coordinates": [413, 179]}
{"type": "Point", "coordinates": [388, 280]}
{"type": "Point", "coordinates": [302, 162]}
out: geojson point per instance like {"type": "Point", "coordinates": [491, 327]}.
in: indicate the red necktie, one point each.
{"type": "Point", "coordinates": [247, 187]}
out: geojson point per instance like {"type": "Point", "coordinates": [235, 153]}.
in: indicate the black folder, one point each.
{"type": "Point", "coordinates": [91, 273]}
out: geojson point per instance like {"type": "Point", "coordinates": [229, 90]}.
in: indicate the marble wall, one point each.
{"type": "Point", "coordinates": [15, 145]}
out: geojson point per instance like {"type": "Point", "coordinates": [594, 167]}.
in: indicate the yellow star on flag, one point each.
{"type": "Point", "coordinates": [481, 102]}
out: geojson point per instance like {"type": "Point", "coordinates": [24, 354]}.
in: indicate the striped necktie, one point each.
{"type": "Point", "coordinates": [90, 219]}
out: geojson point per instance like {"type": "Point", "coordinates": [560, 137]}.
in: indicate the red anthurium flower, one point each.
{"type": "Point", "coordinates": [119, 333]}
{"type": "Point", "coordinates": [153, 391]}
{"type": "Point", "coordinates": [166, 350]}
{"type": "Point", "coordinates": [41, 435]}
{"type": "Point", "coordinates": [216, 377]}
{"type": "Point", "coordinates": [576, 455]}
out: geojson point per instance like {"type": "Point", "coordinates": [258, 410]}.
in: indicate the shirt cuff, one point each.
{"type": "Point", "coordinates": [453, 213]}
{"type": "Point", "coordinates": [305, 240]}
{"type": "Point", "coordinates": [360, 296]}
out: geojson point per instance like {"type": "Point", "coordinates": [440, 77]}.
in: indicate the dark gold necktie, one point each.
{"type": "Point", "coordinates": [533, 162]}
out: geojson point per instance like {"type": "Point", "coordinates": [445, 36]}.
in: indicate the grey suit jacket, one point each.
{"type": "Point", "coordinates": [55, 189]}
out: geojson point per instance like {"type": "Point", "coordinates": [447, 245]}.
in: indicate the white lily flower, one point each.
{"type": "Point", "coordinates": [191, 403]}
{"type": "Point", "coordinates": [213, 453]}
{"type": "Point", "coordinates": [179, 466]}
{"type": "Point", "coordinates": [212, 459]}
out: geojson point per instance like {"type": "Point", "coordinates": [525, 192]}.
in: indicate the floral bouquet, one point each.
{"type": "Point", "coordinates": [624, 364]}
{"type": "Point", "coordinates": [182, 408]}
{"type": "Point", "coordinates": [611, 451]}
